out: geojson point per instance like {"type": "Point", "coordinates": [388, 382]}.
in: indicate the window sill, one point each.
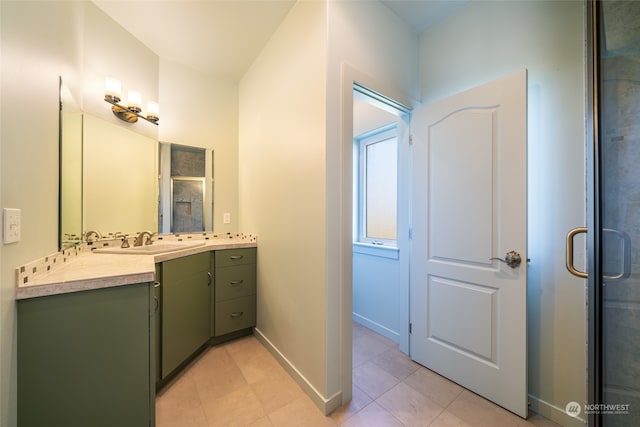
{"type": "Point", "coordinates": [382, 251]}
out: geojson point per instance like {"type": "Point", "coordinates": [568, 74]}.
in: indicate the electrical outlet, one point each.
{"type": "Point", "coordinates": [226, 218]}
{"type": "Point", "coordinates": [10, 225]}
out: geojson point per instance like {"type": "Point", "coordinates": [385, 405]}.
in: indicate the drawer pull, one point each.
{"type": "Point", "coordinates": [235, 257]}
{"type": "Point", "coordinates": [237, 314]}
{"type": "Point", "coordinates": [236, 282]}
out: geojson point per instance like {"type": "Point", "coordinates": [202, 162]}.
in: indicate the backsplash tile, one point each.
{"type": "Point", "coordinates": [29, 271]}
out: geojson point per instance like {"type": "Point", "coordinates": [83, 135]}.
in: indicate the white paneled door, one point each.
{"type": "Point", "coordinates": [468, 311]}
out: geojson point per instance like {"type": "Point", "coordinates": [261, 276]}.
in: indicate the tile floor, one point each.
{"type": "Point", "coordinates": [240, 384]}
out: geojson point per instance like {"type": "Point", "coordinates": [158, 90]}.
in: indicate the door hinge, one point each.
{"type": "Point", "coordinates": [411, 139]}
{"type": "Point", "coordinates": [411, 234]}
{"type": "Point", "coordinates": [409, 327]}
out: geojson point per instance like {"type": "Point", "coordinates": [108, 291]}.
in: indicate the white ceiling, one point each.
{"type": "Point", "coordinates": [221, 38]}
{"type": "Point", "coordinates": [218, 38]}
{"type": "Point", "coordinates": [422, 14]}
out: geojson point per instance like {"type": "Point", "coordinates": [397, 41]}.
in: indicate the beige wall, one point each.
{"type": "Point", "coordinates": [201, 111]}
{"type": "Point", "coordinates": [108, 50]}
{"type": "Point", "coordinates": [39, 43]}
{"type": "Point", "coordinates": [282, 188]}
{"type": "Point", "coordinates": [292, 185]}
{"type": "Point", "coordinates": [484, 41]}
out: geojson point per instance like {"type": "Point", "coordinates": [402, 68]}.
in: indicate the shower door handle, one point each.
{"type": "Point", "coordinates": [625, 250]}
{"type": "Point", "coordinates": [569, 258]}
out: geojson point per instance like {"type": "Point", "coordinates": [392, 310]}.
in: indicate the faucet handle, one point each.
{"type": "Point", "coordinates": [125, 240]}
{"type": "Point", "coordinates": [92, 236]}
{"type": "Point", "coordinates": [149, 238]}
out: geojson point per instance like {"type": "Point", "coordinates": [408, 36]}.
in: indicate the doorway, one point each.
{"type": "Point", "coordinates": [379, 255]}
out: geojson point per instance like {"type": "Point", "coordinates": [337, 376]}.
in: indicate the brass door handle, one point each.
{"type": "Point", "coordinates": [512, 259]}
{"type": "Point", "coordinates": [569, 258]}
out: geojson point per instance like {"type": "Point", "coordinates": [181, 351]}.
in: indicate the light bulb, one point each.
{"type": "Point", "coordinates": [134, 101]}
{"type": "Point", "coordinates": [153, 111]}
{"type": "Point", "coordinates": [112, 89]}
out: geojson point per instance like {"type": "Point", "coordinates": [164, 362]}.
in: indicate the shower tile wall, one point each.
{"type": "Point", "coordinates": [188, 206]}
{"type": "Point", "coordinates": [187, 164]}
{"type": "Point", "coordinates": [187, 161]}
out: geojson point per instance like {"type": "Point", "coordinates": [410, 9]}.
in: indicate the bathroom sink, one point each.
{"type": "Point", "coordinates": [154, 248]}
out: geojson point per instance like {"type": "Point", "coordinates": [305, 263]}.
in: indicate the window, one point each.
{"type": "Point", "coordinates": [377, 186]}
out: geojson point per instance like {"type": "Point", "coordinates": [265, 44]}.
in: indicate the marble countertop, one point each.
{"type": "Point", "coordinates": [89, 270]}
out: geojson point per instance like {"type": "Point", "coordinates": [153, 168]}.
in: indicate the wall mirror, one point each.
{"type": "Point", "coordinates": [70, 176]}
{"type": "Point", "coordinates": [114, 180]}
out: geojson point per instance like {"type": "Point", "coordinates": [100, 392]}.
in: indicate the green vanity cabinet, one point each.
{"type": "Point", "coordinates": [235, 290]}
{"type": "Point", "coordinates": [86, 358]}
{"type": "Point", "coordinates": [186, 308]}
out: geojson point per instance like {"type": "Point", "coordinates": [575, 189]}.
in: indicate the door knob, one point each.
{"type": "Point", "coordinates": [512, 259]}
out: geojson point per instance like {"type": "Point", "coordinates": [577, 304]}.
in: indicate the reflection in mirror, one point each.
{"type": "Point", "coordinates": [70, 175]}
{"type": "Point", "coordinates": [186, 189]}
{"type": "Point", "coordinates": [187, 204]}
{"type": "Point", "coordinates": [120, 190]}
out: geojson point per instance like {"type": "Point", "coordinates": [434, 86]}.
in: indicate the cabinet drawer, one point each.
{"type": "Point", "coordinates": [235, 314]}
{"type": "Point", "coordinates": [229, 257]}
{"type": "Point", "coordinates": [234, 282]}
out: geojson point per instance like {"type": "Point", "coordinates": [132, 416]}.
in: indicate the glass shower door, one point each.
{"type": "Point", "coordinates": [618, 147]}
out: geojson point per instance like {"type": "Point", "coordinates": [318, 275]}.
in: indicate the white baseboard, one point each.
{"type": "Point", "coordinates": [326, 405]}
{"type": "Point", "coordinates": [555, 414]}
{"type": "Point", "coordinates": [376, 327]}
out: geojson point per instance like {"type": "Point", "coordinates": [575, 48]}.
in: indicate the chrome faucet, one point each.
{"type": "Point", "coordinates": [91, 233]}
{"type": "Point", "coordinates": [140, 238]}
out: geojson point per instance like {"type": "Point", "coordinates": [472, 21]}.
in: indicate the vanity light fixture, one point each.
{"type": "Point", "coordinates": [133, 109]}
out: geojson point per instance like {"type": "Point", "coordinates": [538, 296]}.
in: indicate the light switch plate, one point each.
{"type": "Point", "coordinates": [226, 218]}
{"type": "Point", "coordinates": [10, 225]}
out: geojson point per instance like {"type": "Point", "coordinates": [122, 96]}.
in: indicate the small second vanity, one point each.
{"type": "Point", "coordinates": [98, 333]}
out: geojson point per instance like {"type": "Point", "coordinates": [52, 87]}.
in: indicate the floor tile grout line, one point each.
{"type": "Point", "coordinates": [436, 417]}
{"type": "Point", "coordinates": [393, 363]}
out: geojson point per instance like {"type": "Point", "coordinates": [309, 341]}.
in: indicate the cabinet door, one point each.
{"type": "Point", "coordinates": [157, 315]}
{"type": "Point", "coordinates": [84, 359]}
{"type": "Point", "coordinates": [186, 308]}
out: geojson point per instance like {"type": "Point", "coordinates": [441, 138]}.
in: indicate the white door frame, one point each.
{"type": "Point", "coordinates": [350, 76]}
